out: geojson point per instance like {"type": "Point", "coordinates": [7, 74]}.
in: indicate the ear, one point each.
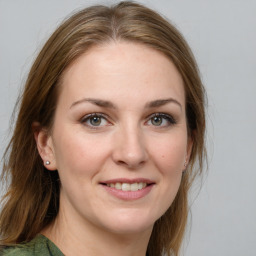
{"type": "Point", "coordinates": [44, 146]}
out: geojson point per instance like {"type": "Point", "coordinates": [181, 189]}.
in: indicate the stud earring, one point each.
{"type": "Point", "coordinates": [47, 162]}
{"type": "Point", "coordinates": [185, 166]}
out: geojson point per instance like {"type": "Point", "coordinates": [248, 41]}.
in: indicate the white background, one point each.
{"type": "Point", "coordinates": [222, 35]}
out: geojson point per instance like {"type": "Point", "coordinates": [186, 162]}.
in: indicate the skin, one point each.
{"type": "Point", "coordinates": [127, 143]}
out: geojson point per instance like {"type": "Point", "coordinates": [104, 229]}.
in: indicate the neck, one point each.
{"type": "Point", "coordinates": [74, 237]}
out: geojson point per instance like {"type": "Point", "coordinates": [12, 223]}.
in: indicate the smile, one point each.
{"type": "Point", "coordinates": [127, 186]}
{"type": "Point", "coordinates": [128, 189]}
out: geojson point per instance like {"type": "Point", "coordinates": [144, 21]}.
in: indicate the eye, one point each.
{"type": "Point", "coordinates": [156, 120]}
{"type": "Point", "coordinates": [95, 120]}
{"type": "Point", "coordinates": [161, 120]}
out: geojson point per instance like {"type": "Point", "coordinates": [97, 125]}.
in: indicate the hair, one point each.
{"type": "Point", "coordinates": [32, 198]}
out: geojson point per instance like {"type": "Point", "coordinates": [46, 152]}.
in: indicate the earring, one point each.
{"type": "Point", "coordinates": [47, 162]}
{"type": "Point", "coordinates": [185, 166]}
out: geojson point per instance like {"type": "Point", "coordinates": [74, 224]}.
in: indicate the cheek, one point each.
{"type": "Point", "coordinates": [169, 158]}
{"type": "Point", "coordinates": [169, 154]}
{"type": "Point", "coordinates": [78, 154]}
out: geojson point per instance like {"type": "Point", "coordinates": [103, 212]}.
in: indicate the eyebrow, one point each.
{"type": "Point", "coordinates": [98, 102]}
{"type": "Point", "coordinates": [108, 104]}
{"type": "Point", "coordinates": [162, 102]}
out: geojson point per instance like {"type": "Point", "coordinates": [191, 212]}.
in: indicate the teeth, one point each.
{"type": "Point", "coordinates": [128, 186]}
{"type": "Point", "coordinates": [134, 187]}
{"type": "Point", "coordinates": [117, 185]}
{"type": "Point", "coordinates": [140, 185]}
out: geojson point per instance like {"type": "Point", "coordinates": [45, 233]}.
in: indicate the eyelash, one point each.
{"type": "Point", "coordinates": [170, 119]}
{"type": "Point", "coordinates": [87, 118]}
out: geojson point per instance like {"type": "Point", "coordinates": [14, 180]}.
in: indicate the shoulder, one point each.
{"type": "Point", "coordinates": [17, 250]}
{"type": "Point", "coordinates": [40, 245]}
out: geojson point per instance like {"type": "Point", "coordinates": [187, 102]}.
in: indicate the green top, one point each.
{"type": "Point", "coordinates": [40, 245]}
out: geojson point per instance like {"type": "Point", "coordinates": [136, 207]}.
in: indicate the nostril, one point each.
{"type": "Point", "coordinates": [121, 162]}
{"type": "Point", "coordinates": [131, 164]}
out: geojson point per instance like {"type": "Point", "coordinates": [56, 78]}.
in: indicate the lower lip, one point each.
{"type": "Point", "coordinates": [128, 195]}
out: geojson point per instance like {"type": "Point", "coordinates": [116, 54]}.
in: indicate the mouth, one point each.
{"type": "Point", "coordinates": [127, 185]}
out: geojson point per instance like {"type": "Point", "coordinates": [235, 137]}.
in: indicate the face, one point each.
{"type": "Point", "coordinates": [119, 139]}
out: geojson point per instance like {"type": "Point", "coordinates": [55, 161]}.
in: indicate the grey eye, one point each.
{"type": "Point", "coordinates": [161, 120]}
{"type": "Point", "coordinates": [157, 120]}
{"type": "Point", "coordinates": [95, 120]}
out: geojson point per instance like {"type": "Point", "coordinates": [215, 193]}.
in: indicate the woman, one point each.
{"type": "Point", "coordinates": [110, 127]}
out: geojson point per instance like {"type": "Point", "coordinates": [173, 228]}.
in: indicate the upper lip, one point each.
{"type": "Point", "coordinates": [126, 180]}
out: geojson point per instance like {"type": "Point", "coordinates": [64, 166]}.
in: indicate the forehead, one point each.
{"type": "Point", "coordinates": [122, 69]}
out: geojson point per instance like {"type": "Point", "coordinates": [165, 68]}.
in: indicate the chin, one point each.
{"type": "Point", "coordinates": [130, 221]}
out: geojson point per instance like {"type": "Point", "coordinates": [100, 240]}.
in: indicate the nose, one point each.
{"type": "Point", "coordinates": [130, 149]}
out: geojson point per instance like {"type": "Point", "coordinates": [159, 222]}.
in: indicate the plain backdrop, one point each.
{"type": "Point", "coordinates": [222, 35]}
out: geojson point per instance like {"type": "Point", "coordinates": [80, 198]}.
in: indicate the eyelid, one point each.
{"type": "Point", "coordinates": [91, 115]}
{"type": "Point", "coordinates": [169, 118]}
{"type": "Point", "coordinates": [98, 114]}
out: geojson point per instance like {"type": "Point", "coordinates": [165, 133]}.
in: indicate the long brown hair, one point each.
{"type": "Point", "coordinates": [32, 198]}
